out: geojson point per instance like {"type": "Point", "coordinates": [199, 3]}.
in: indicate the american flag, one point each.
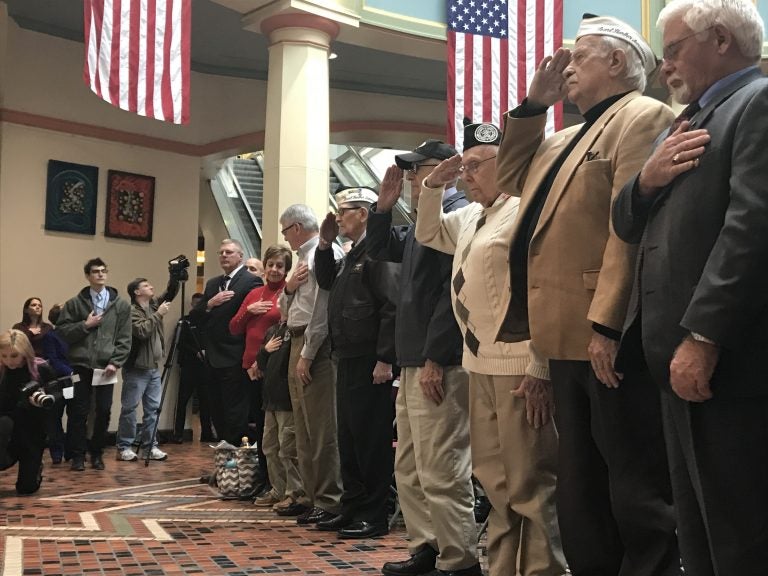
{"type": "Point", "coordinates": [494, 47]}
{"type": "Point", "coordinates": [137, 55]}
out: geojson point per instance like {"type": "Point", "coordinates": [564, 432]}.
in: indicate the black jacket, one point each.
{"type": "Point", "coordinates": [275, 394]}
{"type": "Point", "coordinates": [361, 305]}
{"type": "Point", "coordinates": [222, 349]}
{"type": "Point", "coordinates": [426, 327]}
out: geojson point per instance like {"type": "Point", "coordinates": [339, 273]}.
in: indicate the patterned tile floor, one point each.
{"type": "Point", "coordinates": [158, 520]}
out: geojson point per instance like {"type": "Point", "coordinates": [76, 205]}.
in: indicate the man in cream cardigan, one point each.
{"type": "Point", "coordinates": [513, 439]}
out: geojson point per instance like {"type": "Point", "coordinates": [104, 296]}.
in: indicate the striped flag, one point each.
{"type": "Point", "coordinates": [137, 55]}
{"type": "Point", "coordinates": [494, 47]}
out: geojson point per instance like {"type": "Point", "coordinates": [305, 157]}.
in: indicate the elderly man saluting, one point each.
{"type": "Point", "coordinates": [513, 440]}
{"type": "Point", "coordinates": [571, 279]}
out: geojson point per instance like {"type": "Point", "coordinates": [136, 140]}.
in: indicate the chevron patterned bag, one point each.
{"type": "Point", "coordinates": [236, 471]}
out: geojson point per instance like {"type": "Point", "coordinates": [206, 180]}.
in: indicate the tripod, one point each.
{"type": "Point", "coordinates": [167, 369]}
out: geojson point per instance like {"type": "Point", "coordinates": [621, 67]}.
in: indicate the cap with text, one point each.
{"type": "Point", "coordinates": [355, 195]}
{"type": "Point", "coordinates": [610, 26]}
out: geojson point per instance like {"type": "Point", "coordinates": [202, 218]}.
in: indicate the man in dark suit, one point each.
{"type": "Point", "coordinates": [223, 351]}
{"type": "Point", "coordinates": [699, 309]}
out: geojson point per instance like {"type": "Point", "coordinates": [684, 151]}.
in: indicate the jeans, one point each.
{"type": "Point", "coordinates": [144, 385]}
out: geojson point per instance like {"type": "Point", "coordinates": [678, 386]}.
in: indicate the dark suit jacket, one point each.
{"type": "Point", "coordinates": [703, 261]}
{"type": "Point", "coordinates": [222, 349]}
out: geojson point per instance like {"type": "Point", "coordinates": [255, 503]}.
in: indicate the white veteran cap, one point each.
{"type": "Point", "coordinates": [610, 26]}
{"type": "Point", "coordinates": [356, 195]}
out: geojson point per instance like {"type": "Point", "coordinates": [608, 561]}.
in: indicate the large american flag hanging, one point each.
{"type": "Point", "coordinates": [137, 55]}
{"type": "Point", "coordinates": [494, 47]}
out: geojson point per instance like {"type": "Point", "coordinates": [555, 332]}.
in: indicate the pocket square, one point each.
{"type": "Point", "coordinates": [592, 155]}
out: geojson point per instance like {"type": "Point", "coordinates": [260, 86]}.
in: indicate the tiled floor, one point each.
{"type": "Point", "coordinates": [157, 520]}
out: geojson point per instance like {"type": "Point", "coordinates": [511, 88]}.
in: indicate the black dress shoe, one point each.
{"type": "Point", "coordinates": [363, 529]}
{"type": "Point", "coordinates": [78, 464]}
{"type": "Point", "coordinates": [311, 516]}
{"type": "Point", "coordinates": [471, 571]}
{"type": "Point", "coordinates": [333, 523]}
{"type": "Point", "coordinates": [294, 509]}
{"type": "Point", "coordinates": [423, 562]}
{"type": "Point", "coordinates": [176, 440]}
{"type": "Point", "coordinates": [96, 462]}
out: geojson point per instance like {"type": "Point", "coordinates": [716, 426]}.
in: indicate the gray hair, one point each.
{"type": "Point", "coordinates": [634, 74]}
{"type": "Point", "coordinates": [237, 244]}
{"type": "Point", "coordinates": [739, 17]}
{"type": "Point", "coordinates": [300, 214]}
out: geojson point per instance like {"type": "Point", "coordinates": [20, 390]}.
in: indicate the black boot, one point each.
{"type": "Point", "coordinates": [423, 562]}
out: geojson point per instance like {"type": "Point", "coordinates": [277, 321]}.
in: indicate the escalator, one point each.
{"type": "Point", "coordinates": [239, 188]}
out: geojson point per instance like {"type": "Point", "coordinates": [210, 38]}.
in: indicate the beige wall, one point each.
{"type": "Point", "coordinates": [49, 264]}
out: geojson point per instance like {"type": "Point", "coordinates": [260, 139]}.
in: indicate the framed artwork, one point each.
{"type": "Point", "coordinates": [130, 206]}
{"type": "Point", "coordinates": [70, 197]}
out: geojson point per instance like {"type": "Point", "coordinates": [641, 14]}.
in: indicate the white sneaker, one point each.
{"type": "Point", "coordinates": [155, 454]}
{"type": "Point", "coordinates": [127, 455]}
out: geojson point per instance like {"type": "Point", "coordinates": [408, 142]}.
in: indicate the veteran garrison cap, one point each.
{"type": "Point", "coordinates": [480, 134]}
{"type": "Point", "coordinates": [356, 195]}
{"type": "Point", "coordinates": [610, 26]}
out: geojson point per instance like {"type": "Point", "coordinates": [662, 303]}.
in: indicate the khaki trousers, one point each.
{"type": "Point", "coordinates": [279, 445]}
{"type": "Point", "coordinates": [314, 415]}
{"type": "Point", "coordinates": [433, 468]}
{"type": "Point", "coordinates": [516, 466]}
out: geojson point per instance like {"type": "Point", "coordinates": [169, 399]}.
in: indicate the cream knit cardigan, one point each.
{"type": "Point", "coordinates": [486, 272]}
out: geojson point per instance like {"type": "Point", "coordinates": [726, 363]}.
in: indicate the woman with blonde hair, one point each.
{"type": "Point", "coordinates": [22, 419]}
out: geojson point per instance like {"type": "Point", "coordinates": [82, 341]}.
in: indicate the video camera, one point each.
{"type": "Point", "coordinates": [45, 394]}
{"type": "Point", "coordinates": [177, 268]}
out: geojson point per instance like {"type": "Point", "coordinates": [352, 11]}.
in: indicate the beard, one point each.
{"type": "Point", "coordinates": [681, 93]}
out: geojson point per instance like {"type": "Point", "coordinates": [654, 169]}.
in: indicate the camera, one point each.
{"type": "Point", "coordinates": [177, 268]}
{"type": "Point", "coordinates": [45, 394]}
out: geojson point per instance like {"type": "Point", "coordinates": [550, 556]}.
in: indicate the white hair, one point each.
{"type": "Point", "coordinates": [300, 214]}
{"type": "Point", "coordinates": [739, 17]}
{"type": "Point", "coordinates": [634, 74]}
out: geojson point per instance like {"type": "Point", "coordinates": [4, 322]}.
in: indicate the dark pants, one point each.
{"type": "Point", "coordinates": [193, 378]}
{"type": "Point", "coordinates": [719, 465]}
{"type": "Point", "coordinates": [614, 499]}
{"type": "Point", "coordinates": [54, 428]}
{"type": "Point", "coordinates": [230, 402]}
{"type": "Point", "coordinates": [22, 440]}
{"type": "Point", "coordinates": [77, 416]}
{"type": "Point", "coordinates": [365, 440]}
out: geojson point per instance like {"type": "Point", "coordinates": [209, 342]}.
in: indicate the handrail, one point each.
{"type": "Point", "coordinates": [229, 167]}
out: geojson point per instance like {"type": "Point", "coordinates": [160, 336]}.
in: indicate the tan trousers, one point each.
{"type": "Point", "coordinates": [279, 446]}
{"type": "Point", "coordinates": [516, 466]}
{"type": "Point", "coordinates": [433, 469]}
{"type": "Point", "coordinates": [314, 416]}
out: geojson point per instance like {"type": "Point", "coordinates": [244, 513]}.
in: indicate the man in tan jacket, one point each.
{"type": "Point", "coordinates": [571, 279]}
{"type": "Point", "coordinates": [513, 440]}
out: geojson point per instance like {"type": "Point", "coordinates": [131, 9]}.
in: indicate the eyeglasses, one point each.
{"type": "Point", "coordinates": [98, 271]}
{"type": "Point", "coordinates": [415, 168]}
{"type": "Point", "coordinates": [472, 167]}
{"type": "Point", "coordinates": [340, 211]}
{"type": "Point", "coordinates": [284, 230]}
{"type": "Point", "coordinates": [669, 53]}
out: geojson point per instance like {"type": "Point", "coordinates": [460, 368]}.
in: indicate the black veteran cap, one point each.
{"type": "Point", "coordinates": [480, 134]}
{"type": "Point", "coordinates": [429, 149]}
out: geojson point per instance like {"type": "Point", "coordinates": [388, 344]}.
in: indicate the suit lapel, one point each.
{"type": "Point", "coordinates": [544, 164]}
{"type": "Point", "coordinates": [702, 116]}
{"type": "Point", "coordinates": [576, 158]}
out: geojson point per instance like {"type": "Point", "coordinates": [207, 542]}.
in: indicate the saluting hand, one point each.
{"type": "Point", "coordinates": [329, 229]}
{"type": "Point", "coordinates": [447, 171]}
{"type": "Point", "coordinates": [548, 85]}
{"type": "Point", "coordinates": [390, 188]}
